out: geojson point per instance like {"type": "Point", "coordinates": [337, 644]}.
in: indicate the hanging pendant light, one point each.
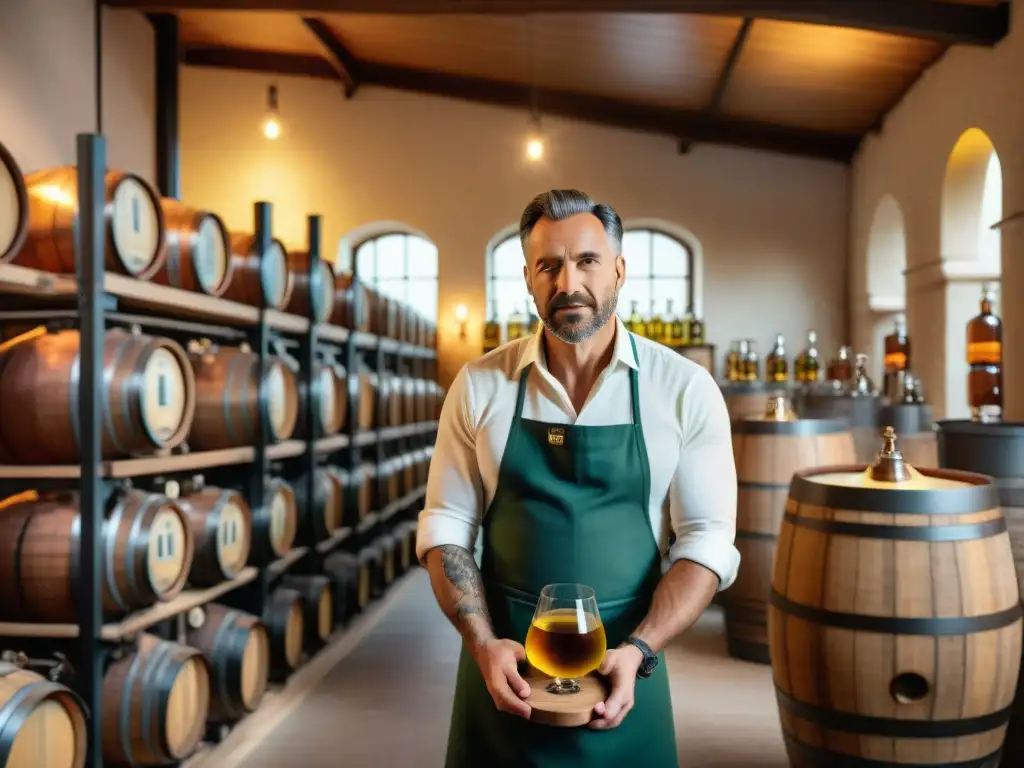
{"type": "Point", "coordinates": [272, 122]}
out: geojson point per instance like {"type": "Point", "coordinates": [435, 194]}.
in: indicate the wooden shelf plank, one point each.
{"type": "Point", "coordinates": [39, 472]}
{"type": "Point", "coordinates": [333, 443]}
{"type": "Point", "coordinates": [15, 279]}
{"type": "Point", "coordinates": [284, 322]}
{"type": "Point", "coordinates": [156, 465]}
{"type": "Point", "coordinates": [367, 437]}
{"type": "Point", "coordinates": [393, 508]}
{"type": "Point", "coordinates": [282, 564]}
{"type": "Point", "coordinates": [336, 538]}
{"type": "Point", "coordinates": [286, 450]}
{"type": "Point", "coordinates": [138, 621]}
{"type": "Point", "coordinates": [333, 333]}
{"type": "Point", "coordinates": [138, 293]}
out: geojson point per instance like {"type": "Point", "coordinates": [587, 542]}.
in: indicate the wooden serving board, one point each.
{"type": "Point", "coordinates": [565, 710]}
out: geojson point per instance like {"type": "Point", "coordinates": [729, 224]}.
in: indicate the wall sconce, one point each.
{"type": "Point", "coordinates": [461, 314]}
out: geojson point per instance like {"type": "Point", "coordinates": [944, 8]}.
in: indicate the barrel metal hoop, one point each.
{"type": "Point", "coordinates": [111, 527]}
{"type": "Point", "coordinates": [809, 755]}
{"type": "Point", "coordinates": [899, 625]}
{"type": "Point", "coordinates": [965, 532]}
{"type": "Point", "coordinates": [237, 642]}
{"type": "Point", "coordinates": [225, 633]}
{"type": "Point", "coordinates": [957, 501]}
{"type": "Point", "coordinates": [804, 427]}
{"type": "Point", "coordinates": [125, 719]}
{"type": "Point", "coordinates": [743, 484]}
{"type": "Point", "coordinates": [139, 539]}
{"type": "Point", "coordinates": [154, 706]}
{"type": "Point", "coordinates": [892, 727]}
{"type": "Point", "coordinates": [19, 582]}
{"type": "Point", "coordinates": [73, 388]}
{"type": "Point", "coordinates": [756, 535]}
{"type": "Point", "coordinates": [17, 709]}
{"type": "Point", "coordinates": [108, 373]}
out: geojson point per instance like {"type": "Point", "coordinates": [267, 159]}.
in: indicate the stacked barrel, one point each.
{"type": "Point", "coordinates": [261, 587]}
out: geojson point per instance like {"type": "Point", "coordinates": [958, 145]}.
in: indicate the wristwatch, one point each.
{"type": "Point", "coordinates": [650, 660]}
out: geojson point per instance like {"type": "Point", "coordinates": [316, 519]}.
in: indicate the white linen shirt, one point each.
{"type": "Point", "coordinates": [685, 425]}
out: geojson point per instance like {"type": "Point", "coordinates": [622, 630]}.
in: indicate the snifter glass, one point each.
{"type": "Point", "coordinates": [566, 639]}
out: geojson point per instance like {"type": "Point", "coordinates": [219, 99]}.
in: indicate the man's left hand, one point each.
{"type": "Point", "coordinates": [620, 666]}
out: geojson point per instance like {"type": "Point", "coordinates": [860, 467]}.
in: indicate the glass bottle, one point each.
{"type": "Point", "coordinates": [636, 323]}
{"type": "Point", "coordinates": [492, 330]}
{"type": "Point", "coordinates": [734, 361]}
{"type": "Point", "coordinates": [896, 360]}
{"type": "Point", "coordinates": [673, 327]}
{"type": "Point", "coordinates": [776, 367]}
{"type": "Point", "coordinates": [751, 362]}
{"type": "Point", "coordinates": [840, 368]}
{"type": "Point", "coordinates": [696, 335]}
{"type": "Point", "coordinates": [516, 325]}
{"type": "Point", "coordinates": [655, 325]}
{"type": "Point", "coordinates": [985, 358]}
{"type": "Point", "coordinates": [808, 364]}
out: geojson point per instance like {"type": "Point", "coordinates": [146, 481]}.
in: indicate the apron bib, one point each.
{"type": "Point", "coordinates": [571, 506]}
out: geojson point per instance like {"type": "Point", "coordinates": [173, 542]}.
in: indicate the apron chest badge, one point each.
{"type": "Point", "coordinates": [556, 436]}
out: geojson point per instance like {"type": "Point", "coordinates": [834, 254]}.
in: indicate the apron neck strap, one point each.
{"type": "Point", "coordinates": [634, 385]}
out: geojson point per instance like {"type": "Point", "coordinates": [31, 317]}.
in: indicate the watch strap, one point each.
{"type": "Point", "coordinates": [650, 660]}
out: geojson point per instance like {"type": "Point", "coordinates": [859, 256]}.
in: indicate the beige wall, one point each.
{"type": "Point", "coordinates": [979, 88]}
{"type": "Point", "coordinates": [772, 229]}
{"type": "Point", "coordinates": [47, 70]}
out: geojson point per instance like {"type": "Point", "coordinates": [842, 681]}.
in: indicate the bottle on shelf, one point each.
{"type": "Point", "coordinates": [636, 323]}
{"type": "Point", "coordinates": [776, 367]}
{"type": "Point", "coordinates": [655, 325]}
{"type": "Point", "coordinates": [897, 359]}
{"type": "Point", "coordinates": [751, 362]}
{"type": "Point", "coordinates": [985, 361]}
{"type": "Point", "coordinates": [734, 360]}
{"type": "Point", "coordinates": [492, 330]}
{"type": "Point", "coordinates": [673, 327]}
{"type": "Point", "coordinates": [807, 366]}
{"type": "Point", "coordinates": [695, 332]}
{"type": "Point", "coordinates": [517, 325]}
{"type": "Point", "coordinates": [840, 368]}
{"type": "Point", "coordinates": [862, 383]}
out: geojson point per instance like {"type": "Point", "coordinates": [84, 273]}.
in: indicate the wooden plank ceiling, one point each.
{"type": "Point", "coordinates": [802, 77]}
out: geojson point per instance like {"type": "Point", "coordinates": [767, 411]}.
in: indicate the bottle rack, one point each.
{"type": "Point", "coordinates": [95, 300]}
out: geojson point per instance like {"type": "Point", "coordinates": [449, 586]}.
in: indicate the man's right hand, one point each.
{"type": "Point", "coordinates": [498, 663]}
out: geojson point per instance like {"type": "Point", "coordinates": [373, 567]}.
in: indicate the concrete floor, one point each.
{"type": "Point", "coordinates": [387, 702]}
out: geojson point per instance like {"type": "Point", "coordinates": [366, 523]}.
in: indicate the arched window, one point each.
{"type": "Point", "coordinates": [402, 266]}
{"type": "Point", "coordinates": [659, 269]}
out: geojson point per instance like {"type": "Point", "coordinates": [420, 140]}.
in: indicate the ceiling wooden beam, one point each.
{"type": "Point", "coordinates": [695, 126]}
{"type": "Point", "coordinates": [948, 22]}
{"type": "Point", "coordinates": [723, 77]}
{"type": "Point", "coordinates": [344, 63]}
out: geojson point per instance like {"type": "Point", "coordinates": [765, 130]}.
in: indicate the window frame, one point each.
{"type": "Point", "coordinates": [374, 281]}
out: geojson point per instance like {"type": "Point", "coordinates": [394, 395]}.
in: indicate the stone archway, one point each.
{"type": "Point", "coordinates": [886, 281]}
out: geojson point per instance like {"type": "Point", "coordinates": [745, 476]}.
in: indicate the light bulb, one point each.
{"type": "Point", "coordinates": [461, 313]}
{"type": "Point", "coordinates": [271, 128]}
{"type": "Point", "coordinates": [535, 149]}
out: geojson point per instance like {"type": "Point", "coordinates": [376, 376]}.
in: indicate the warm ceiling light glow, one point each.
{"type": "Point", "coordinates": [535, 149]}
{"type": "Point", "coordinates": [271, 128]}
{"type": "Point", "coordinates": [461, 313]}
{"type": "Point", "coordinates": [272, 125]}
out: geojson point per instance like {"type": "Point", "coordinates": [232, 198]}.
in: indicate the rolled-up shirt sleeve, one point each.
{"type": "Point", "coordinates": [453, 505]}
{"type": "Point", "coordinates": [702, 495]}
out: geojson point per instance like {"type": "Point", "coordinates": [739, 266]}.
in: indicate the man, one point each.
{"type": "Point", "coordinates": [562, 450]}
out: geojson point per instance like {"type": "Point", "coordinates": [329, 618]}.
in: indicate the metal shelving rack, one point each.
{"type": "Point", "coordinates": [100, 299]}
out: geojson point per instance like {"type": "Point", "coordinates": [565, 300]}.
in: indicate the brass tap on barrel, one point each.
{"type": "Point", "coordinates": [889, 466]}
{"type": "Point", "coordinates": [777, 410]}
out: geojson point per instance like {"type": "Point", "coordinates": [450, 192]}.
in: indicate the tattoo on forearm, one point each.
{"type": "Point", "coordinates": [461, 571]}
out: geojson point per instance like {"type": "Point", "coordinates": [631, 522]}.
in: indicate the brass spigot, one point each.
{"type": "Point", "coordinates": [889, 466]}
{"type": "Point", "coordinates": [777, 410]}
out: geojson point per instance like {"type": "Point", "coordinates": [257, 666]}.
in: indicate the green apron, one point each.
{"type": "Point", "coordinates": [569, 510]}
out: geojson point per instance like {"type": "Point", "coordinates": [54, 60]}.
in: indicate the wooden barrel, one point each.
{"type": "Point", "coordinates": [389, 565]}
{"type": "Point", "coordinates": [275, 525]}
{"type": "Point", "coordinates": [913, 423]}
{"type": "Point", "coordinates": [147, 555]}
{"type": "Point", "coordinates": [428, 454]}
{"type": "Point", "coordinates": [155, 701]}
{"type": "Point", "coordinates": [895, 618]}
{"type": "Point", "coordinates": [259, 281]}
{"type": "Point", "coordinates": [861, 412]}
{"type": "Point", "coordinates": [367, 403]}
{"type": "Point", "coordinates": [342, 568]}
{"type": "Point", "coordinates": [406, 554]}
{"type": "Point", "coordinates": [198, 250]}
{"type": "Point", "coordinates": [371, 575]}
{"type": "Point", "coordinates": [359, 483]}
{"type": "Point", "coordinates": [319, 519]}
{"type": "Point", "coordinates": [221, 525]}
{"type": "Point", "coordinates": [995, 450]}
{"type": "Point", "coordinates": [13, 206]}
{"type": "Point", "coordinates": [767, 453]}
{"type": "Point", "coordinates": [237, 650]}
{"type": "Point", "coordinates": [283, 618]}
{"type": "Point", "coordinates": [750, 398]}
{"type": "Point", "coordinates": [351, 303]}
{"type": "Point", "coordinates": [318, 607]}
{"type": "Point", "coordinates": [136, 238]}
{"type": "Point", "coordinates": [319, 285]}
{"type": "Point", "coordinates": [325, 398]}
{"type": "Point", "coordinates": [420, 406]}
{"type": "Point", "coordinates": [408, 472]}
{"type": "Point", "coordinates": [409, 396]}
{"type": "Point", "coordinates": [43, 722]}
{"type": "Point", "coordinates": [341, 394]}
{"type": "Point", "coordinates": [389, 401]}
{"type": "Point", "coordinates": [228, 406]}
{"type": "Point", "coordinates": [149, 397]}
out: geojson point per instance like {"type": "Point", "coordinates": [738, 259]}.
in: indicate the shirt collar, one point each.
{"type": "Point", "coordinates": [533, 351]}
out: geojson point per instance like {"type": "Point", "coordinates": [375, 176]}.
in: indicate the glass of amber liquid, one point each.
{"type": "Point", "coordinates": [566, 639]}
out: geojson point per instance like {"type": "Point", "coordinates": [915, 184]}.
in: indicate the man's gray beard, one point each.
{"type": "Point", "coordinates": [573, 333]}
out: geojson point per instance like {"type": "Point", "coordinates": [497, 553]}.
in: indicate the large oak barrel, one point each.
{"type": "Point", "coordinates": [895, 617]}
{"type": "Point", "coordinates": [913, 423]}
{"type": "Point", "coordinates": [155, 703]}
{"type": "Point", "coordinates": [276, 524]}
{"type": "Point", "coordinates": [319, 519]}
{"type": "Point", "coordinates": [259, 282]}
{"type": "Point", "coordinates": [768, 452]}
{"type": "Point", "coordinates": [43, 724]}
{"type": "Point", "coordinates": [342, 569]}
{"type": "Point", "coordinates": [198, 250]}
{"type": "Point", "coordinates": [861, 411]}
{"type": "Point", "coordinates": [319, 285]}
{"type": "Point", "coordinates": [341, 394]}
{"type": "Point", "coordinates": [136, 241]}
{"type": "Point", "coordinates": [318, 607]}
{"type": "Point", "coordinates": [147, 554]}
{"type": "Point", "coordinates": [228, 405]}
{"type": "Point", "coordinates": [996, 450]}
{"type": "Point", "coordinates": [148, 397]}
{"type": "Point", "coordinates": [325, 398]}
{"type": "Point", "coordinates": [13, 206]}
{"type": "Point", "coordinates": [367, 398]}
{"type": "Point", "coordinates": [221, 525]}
{"type": "Point", "coordinates": [237, 650]}
{"type": "Point", "coordinates": [283, 618]}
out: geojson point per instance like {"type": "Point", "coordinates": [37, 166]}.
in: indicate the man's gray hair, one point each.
{"type": "Point", "coordinates": [561, 204]}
